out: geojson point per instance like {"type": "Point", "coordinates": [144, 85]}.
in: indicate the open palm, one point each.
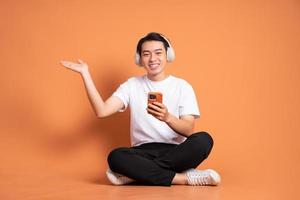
{"type": "Point", "coordinates": [80, 66]}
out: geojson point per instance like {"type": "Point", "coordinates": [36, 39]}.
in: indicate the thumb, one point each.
{"type": "Point", "coordinates": [80, 61]}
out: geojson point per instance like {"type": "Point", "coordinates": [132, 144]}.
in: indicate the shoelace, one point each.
{"type": "Point", "coordinates": [198, 178]}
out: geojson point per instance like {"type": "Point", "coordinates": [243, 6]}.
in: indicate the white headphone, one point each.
{"type": "Point", "coordinates": [170, 53]}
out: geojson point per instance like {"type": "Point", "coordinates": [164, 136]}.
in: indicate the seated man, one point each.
{"type": "Point", "coordinates": [165, 149]}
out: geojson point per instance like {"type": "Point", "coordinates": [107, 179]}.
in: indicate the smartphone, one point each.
{"type": "Point", "coordinates": [155, 97]}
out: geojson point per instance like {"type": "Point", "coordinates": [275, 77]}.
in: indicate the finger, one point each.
{"type": "Point", "coordinates": [80, 61]}
{"type": "Point", "coordinates": [64, 63]}
{"type": "Point", "coordinates": [160, 105]}
{"type": "Point", "coordinates": [154, 107]}
{"type": "Point", "coordinates": [160, 118]}
{"type": "Point", "coordinates": [154, 113]}
{"type": "Point", "coordinates": [70, 65]}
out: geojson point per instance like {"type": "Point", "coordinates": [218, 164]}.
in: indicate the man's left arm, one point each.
{"type": "Point", "coordinates": [183, 125]}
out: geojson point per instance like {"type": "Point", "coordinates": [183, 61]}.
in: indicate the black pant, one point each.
{"type": "Point", "coordinates": [157, 163]}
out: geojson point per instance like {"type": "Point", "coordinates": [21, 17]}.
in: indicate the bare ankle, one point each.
{"type": "Point", "coordinates": [180, 179]}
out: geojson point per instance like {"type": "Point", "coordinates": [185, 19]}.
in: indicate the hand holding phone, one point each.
{"type": "Point", "coordinates": [156, 107]}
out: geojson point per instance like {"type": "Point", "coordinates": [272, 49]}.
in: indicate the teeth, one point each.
{"type": "Point", "coordinates": [153, 65]}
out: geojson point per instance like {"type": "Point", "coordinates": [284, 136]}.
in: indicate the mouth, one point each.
{"type": "Point", "coordinates": [153, 66]}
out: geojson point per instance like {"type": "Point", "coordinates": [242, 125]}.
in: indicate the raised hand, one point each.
{"type": "Point", "coordinates": [80, 66]}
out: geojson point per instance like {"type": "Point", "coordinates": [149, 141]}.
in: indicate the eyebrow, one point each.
{"type": "Point", "coordinates": [150, 51]}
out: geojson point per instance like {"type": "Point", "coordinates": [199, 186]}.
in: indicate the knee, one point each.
{"type": "Point", "coordinates": [115, 157]}
{"type": "Point", "coordinates": [204, 140]}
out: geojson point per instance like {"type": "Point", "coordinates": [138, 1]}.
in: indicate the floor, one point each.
{"type": "Point", "coordinates": [71, 166]}
{"type": "Point", "coordinates": [29, 186]}
{"type": "Point", "coordinates": [42, 180]}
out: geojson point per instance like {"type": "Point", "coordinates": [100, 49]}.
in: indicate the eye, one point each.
{"type": "Point", "coordinates": [146, 54]}
{"type": "Point", "coordinates": [158, 53]}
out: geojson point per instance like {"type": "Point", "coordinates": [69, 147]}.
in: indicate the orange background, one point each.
{"type": "Point", "coordinates": [242, 58]}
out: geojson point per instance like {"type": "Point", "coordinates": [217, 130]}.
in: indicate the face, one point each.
{"type": "Point", "coordinates": [153, 57]}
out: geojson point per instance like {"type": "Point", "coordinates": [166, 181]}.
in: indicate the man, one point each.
{"type": "Point", "coordinates": [165, 150]}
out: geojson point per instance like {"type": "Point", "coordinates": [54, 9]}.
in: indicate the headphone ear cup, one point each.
{"type": "Point", "coordinates": [137, 59]}
{"type": "Point", "coordinates": [170, 54]}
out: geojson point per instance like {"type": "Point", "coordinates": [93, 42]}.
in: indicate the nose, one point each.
{"type": "Point", "coordinates": [152, 57]}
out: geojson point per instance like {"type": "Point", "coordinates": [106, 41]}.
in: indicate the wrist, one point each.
{"type": "Point", "coordinates": [169, 119]}
{"type": "Point", "coordinates": [84, 72]}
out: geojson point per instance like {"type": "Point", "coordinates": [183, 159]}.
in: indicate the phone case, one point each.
{"type": "Point", "coordinates": [155, 97]}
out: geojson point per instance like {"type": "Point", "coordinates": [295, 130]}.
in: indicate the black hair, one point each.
{"type": "Point", "coordinates": [153, 36]}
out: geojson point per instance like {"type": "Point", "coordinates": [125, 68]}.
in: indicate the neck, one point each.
{"type": "Point", "coordinates": [157, 77]}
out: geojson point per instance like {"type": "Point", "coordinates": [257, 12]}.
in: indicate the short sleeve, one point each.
{"type": "Point", "coordinates": [188, 102]}
{"type": "Point", "coordinates": [123, 93]}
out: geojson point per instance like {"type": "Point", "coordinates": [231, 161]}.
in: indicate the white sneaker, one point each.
{"type": "Point", "coordinates": [202, 177]}
{"type": "Point", "coordinates": [117, 179]}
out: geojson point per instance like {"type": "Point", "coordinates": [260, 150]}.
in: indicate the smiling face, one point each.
{"type": "Point", "coordinates": [154, 59]}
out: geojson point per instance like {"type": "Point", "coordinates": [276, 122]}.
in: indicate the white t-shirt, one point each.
{"type": "Point", "coordinates": [178, 97]}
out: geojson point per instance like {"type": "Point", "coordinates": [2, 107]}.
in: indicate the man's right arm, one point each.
{"type": "Point", "coordinates": [101, 108]}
